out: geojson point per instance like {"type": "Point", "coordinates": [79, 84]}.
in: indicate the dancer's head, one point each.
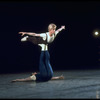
{"type": "Point", "coordinates": [52, 27]}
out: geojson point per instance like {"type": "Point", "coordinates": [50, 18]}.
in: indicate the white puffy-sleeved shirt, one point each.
{"type": "Point", "coordinates": [49, 39]}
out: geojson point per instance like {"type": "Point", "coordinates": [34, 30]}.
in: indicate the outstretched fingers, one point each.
{"type": "Point", "coordinates": [23, 33]}
{"type": "Point", "coordinates": [63, 27]}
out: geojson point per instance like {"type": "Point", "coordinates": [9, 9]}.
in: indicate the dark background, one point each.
{"type": "Point", "coordinates": [74, 48]}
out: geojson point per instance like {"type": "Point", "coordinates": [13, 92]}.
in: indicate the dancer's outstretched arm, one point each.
{"type": "Point", "coordinates": [60, 29]}
{"type": "Point", "coordinates": [29, 33]}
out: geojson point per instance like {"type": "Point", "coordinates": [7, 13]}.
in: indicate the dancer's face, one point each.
{"type": "Point", "coordinates": [52, 31]}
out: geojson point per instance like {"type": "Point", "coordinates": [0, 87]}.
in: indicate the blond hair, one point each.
{"type": "Point", "coordinates": [52, 26]}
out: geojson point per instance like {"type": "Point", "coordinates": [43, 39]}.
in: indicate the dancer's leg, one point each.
{"type": "Point", "coordinates": [57, 77]}
{"type": "Point", "coordinates": [22, 80]}
{"type": "Point", "coordinates": [42, 66]}
{"type": "Point", "coordinates": [31, 39]}
{"type": "Point", "coordinates": [48, 65]}
{"type": "Point", "coordinates": [43, 75]}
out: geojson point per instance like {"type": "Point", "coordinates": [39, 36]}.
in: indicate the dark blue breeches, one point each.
{"type": "Point", "coordinates": [45, 68]}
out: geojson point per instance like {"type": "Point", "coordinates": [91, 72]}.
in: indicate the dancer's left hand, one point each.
{"type": "Point", "coordinates": [63, 27]}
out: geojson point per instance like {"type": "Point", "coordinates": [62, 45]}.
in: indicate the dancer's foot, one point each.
{"type": "Point", "coordinates": [61, 77]}
{"type": "Point", "coordinates": [34, 73]}
{"type": "Point", "coordinates": [13, 81]}
{"type": "Point", "coordinates": [24, 39]}
{"type": "Point", "coordinates": [40, 45]}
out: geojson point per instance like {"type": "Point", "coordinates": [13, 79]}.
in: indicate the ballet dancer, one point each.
{"type": "Point", "coordinates": [42, 39]}
{"type": "Point", "coordinates": [33, 78]}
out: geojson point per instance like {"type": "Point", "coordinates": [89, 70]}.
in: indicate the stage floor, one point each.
{"type": "Point", "coordinates": [77, 84]}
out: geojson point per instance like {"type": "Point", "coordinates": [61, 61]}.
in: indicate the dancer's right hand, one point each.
{"type": "Point", "coordinates": [23, 33]}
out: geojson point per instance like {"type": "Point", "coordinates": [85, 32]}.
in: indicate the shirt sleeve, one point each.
{"type": "Point", "coordinates": [43, 35]}
{"type": "Point", "coordinates": [56, 32]}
